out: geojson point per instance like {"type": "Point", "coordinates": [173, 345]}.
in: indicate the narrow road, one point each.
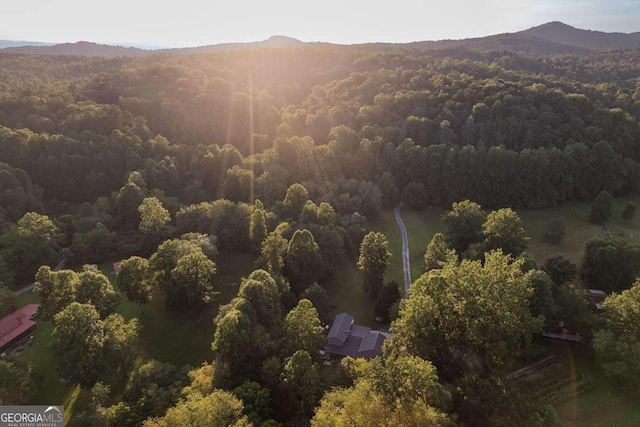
{"type": "Point", "coordinates": [30, 287]}
{"type": "Point", "coordinates": [406, 264]}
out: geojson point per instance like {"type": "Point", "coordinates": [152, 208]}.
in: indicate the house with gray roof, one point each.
{"type": "Point", "coordinates": [348, 339]}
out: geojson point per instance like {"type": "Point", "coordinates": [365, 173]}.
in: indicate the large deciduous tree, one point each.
{"type": "Point", "coordinates": [153, 216]}
{"type": "Point", "coordinates": [437, 253]}
{"type": "Point", "coordinates": [611, 264]}
{"type": "Point", "coordinates": [303, 329]}
{"type": "Point", "coordinates": [30, 243]}
{"type": "Point", "coordinates": [262, 292]}
{"type": "Point", "coordinates": [601, 208]}
{"type": "Point", "coordinates": [389, 295]}
{"type": "Point", "coordinates": [303, 262]}
{"type": "Point", "coordinates": [464, 224]}
{"type": "Point", "coordinates": [257, 227]}
{"type": "Point", "coordinates": [56, 290]}
{"type": "Point", "coordinates": [373, 261]}
{"type": "Point", "coordinates": [272, 253]}
{"type": "Point", "coordinates": [135, 280]}
{"type": "Point", "coordinates": [617, 344]}
{"type": "Point", "coordinates": [7, 301]}
{"type": "Point", "coordinates": [218, 409]}
{"type": "Point", "coordinates": [86, 348]}
{"type": "Point", "coordinates": [560, 269]}
{"type": "Point", "coordinates": [194, 273]}
{"type": "Point", "coordinates": [297, 195]}
{"type": "Point", "coordinates": [503, 230]}
{"type": "Point", "coordinates": [94, 288]}
{"type": "Point", "coordinates": [18, 383]}
{"type": "Point", "coordinates": [301, 383]}
{"type": "Point", "coordinates": [232, 339]}
{"type": "Point", "coordinates": [481, 311]}
{"type": "Point", "coordinates": [404, 391]}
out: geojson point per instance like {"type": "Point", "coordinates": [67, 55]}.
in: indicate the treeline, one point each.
{"type": "Point", "coordinates": [360, 127]}
{"type": "Point", "coordinates": [79, 127]}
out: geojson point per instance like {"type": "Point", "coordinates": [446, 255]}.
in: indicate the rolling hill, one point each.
{"type": "Point", "coordinates": [547, 39]}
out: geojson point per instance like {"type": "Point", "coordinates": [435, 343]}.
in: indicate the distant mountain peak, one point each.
{"type": "Point", "coordinates": [278, 40]}
{"type": "Point", "coordinates": [559, 32]}
{"type": "Point", "coordinates": [554, 25]}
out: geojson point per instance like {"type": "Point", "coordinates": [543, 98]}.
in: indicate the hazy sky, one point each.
{"type": "Point", "coordinates": [200, 22]}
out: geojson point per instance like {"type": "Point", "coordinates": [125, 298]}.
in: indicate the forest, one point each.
{"type": "Point", "coordinates": [176, 163]}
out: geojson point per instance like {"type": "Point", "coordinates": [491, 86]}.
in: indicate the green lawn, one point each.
{"type": "Point", "coordinates": [421, 226]}
{"type": "Point", "coordinates": [578, 231]}
{"type": "Point", "coordinates": [346, 295]}
{"type": "Point", "coordinates": [179, 338]}
{"type": "Point", "coordinates": [182, 338]}
{"type": "Point", "coordinates": [599, 402]}
{"type": "Point", "coordinates": [577, 387]}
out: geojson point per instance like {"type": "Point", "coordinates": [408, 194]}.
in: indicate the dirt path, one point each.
{"type": "Point", "coordinates": [406, 260]}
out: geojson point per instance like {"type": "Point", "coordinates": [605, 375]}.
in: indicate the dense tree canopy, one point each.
{"type": "Point", "coordinates": [134, 278]}
{"type": "Point", "coordinates": [86, 348]}
{"type": "Point", "coordinates": [617, 344]}
{"type": "Point", "coordinates": [503, 230]}
{"type": "Point", "coordinates": [175, 157]}
{"type": "Point", "coordinates": [153, 216]}
{"type": "Point", "coordinates": [482, 312]}
{"type": "Point", "coordinates": [611, 264]}
{"type": "Point", "coordinates": [464, 224]}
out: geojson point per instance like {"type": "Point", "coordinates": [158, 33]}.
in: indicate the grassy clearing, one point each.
{"type": "Point", "coordinates": [346, 295]}
{"type": "Point", "coordinates": [578, 228]}
{"type": "Point", "coordinates": [421, 226]}
{"type": "Point", "coordinates": [344, 287]}
{"type": "Point", "coordinates": [574, 384]}
{"type": "Point", "coordinates": [581, 393]}
{"type": "Point", "coordinates": [179, 338]}
{"type": "Point", "coordinates": [182, 338]}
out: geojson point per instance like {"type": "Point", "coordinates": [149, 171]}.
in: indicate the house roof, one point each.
{"type": "Point", "coordinates": [17, 323]}
{"type": "Point", "coordinates": [340, 329]}
{"type": "Point", "coordinates": [596, 292]}
{"type": "Point", "coordinates": [116, 266]}
{"type": "Point", "coordinates": [359, 341]}
{"type": "Point", "coordinates": [372, 342]}
{"type": "Point", "coordinates": [562, 336]}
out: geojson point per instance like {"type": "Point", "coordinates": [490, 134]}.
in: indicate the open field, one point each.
{"type": "Point", "coordinates": [179, 338]}
{"type": "Point", "coordinates": [346, 295]}
{"type": "Point", "coordinates": [422, 225]}
{"type": "Point", "coordinates": [570, 379]}
{"type": "Point", "coordinates": [573, 383]}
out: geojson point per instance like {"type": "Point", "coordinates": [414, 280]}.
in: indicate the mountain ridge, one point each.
{"type": "Point", "coordinates": [560, 32]}
{"type": "Point", "coordinates": [547, 39]}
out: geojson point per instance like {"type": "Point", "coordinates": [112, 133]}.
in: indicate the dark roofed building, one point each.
{"type": "Point", "coordinates": [340, 329]}
{"type": "Point", "coordinates": [348, 339]}
{"type": "Point", "coordinates": [596, 296]}
{"type": "Point", "coordinates": [16, 326]}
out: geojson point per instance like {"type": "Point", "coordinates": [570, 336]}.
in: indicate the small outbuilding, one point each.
{"type": "Point", "coordinates": [116, 267]}
{"type": "Point", "coordinates": [596, 296]}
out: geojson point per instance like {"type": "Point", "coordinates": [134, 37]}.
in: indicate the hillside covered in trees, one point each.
{"type": "Point", "coordinates": [285, 155]}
